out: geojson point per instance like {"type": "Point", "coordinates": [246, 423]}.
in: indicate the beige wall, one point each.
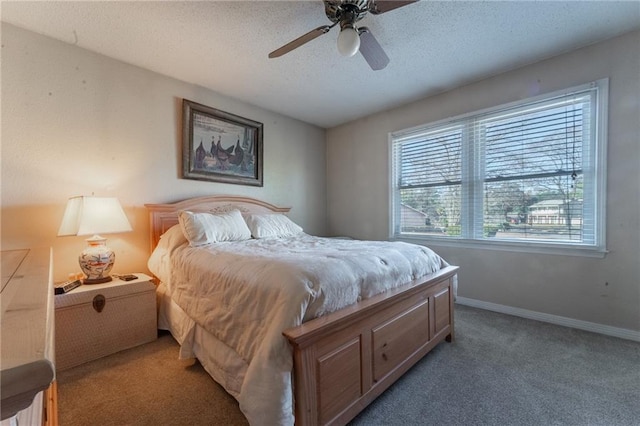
{"type": "Point", "coordinates": [61, 105]}
{"type": "Point", "coordinates": [603, 291]}
{"type": "Point", "coordinates": [77, 123]}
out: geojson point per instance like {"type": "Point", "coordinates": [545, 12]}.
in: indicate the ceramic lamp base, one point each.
{"type": "Point", "coordinates": [96, 261]}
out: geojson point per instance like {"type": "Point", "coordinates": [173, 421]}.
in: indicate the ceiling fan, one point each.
{"type": "Point", "coordinates": [351, 38]}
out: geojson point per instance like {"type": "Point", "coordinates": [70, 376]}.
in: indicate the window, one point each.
{"type": "Point", "coordinates": [528, 174]}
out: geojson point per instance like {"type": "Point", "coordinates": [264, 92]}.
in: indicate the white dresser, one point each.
{"type": "Point", "coordinates": [27, 369]}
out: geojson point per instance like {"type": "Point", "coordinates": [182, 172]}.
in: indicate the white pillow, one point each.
{"type": "Point", "coordinates": [207, 228]}
{"type": "Point", "coordinates": [271, 226]}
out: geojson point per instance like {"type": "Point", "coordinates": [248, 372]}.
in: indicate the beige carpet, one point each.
{"type": "Point", "coordinates": [146, 385]}
{"type": "Point", "coordinates": [501, 370]}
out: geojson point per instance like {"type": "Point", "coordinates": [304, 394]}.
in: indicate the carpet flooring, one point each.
{"type": "Point", "coordinates": [501, 370]}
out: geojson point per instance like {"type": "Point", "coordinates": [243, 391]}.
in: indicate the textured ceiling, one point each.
{"type": "Point", "coordinates": [433, 45]}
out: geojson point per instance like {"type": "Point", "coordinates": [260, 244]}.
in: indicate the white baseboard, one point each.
{"type": "Point", "coordinates": [622, 333]}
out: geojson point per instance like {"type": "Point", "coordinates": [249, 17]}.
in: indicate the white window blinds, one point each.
{"type": "Point", "coordinates": [526, 172]}
{"type": "Point", "coordinates": [430, 180]}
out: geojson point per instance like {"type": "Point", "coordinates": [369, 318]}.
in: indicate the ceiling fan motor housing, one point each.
{"type": "Point", "coordinates": [346, 11]}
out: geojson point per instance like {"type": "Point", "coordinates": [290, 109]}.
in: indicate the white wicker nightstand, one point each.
{"type": "Point", "coordinates": [86, 331]}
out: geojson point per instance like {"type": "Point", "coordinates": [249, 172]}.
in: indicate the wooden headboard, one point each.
{"type": "Point", "coordinates": [164, 216]}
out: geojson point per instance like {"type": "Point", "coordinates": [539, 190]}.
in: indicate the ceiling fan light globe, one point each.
{"type": "Point", "coordinates": [348, 41]}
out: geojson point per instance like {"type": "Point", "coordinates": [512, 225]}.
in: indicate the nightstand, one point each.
{"type": "Point", "coordinates": [96, 320]}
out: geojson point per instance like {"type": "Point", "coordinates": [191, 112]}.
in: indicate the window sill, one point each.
{"type": "Point", "coordinates": [511, 246]}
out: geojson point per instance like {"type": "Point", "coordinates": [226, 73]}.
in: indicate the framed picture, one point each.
{"type": "Point", "coordinates": [220, 147]}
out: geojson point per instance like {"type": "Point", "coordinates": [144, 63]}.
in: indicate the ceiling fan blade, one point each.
{"type": "Point", "coordinates": [371, 50]}
{"type": "Point", "coordinates": [382, 6]}
{"type": "Point", "coordinates": [301, 40]}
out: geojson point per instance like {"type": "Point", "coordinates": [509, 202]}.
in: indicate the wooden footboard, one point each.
{"type": "Point", "coordinates": [344, 360]}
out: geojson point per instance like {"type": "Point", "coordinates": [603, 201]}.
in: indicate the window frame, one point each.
{"type": "Point", "coordinates": [471, 164]}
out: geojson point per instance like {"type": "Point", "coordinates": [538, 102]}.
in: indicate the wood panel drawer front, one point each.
{"type": "Point", "coordinates": [441, 307]}
{"type": "Point", "coordinates": [340, 381]}
{"type": "Point", "coordinates": [398, 338]}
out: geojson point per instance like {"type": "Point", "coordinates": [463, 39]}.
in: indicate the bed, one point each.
{"type": "Point", "coordinates": [318, 353]}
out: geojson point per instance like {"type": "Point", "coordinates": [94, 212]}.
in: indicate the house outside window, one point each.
{"type": "Point", "coordinates": [529, 175]}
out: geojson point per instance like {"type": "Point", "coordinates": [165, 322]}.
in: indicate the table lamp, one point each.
{"type": "Point", "coordinates": [86, 215]}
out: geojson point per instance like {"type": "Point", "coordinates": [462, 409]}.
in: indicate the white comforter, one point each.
{"type": "Point", "coordinates": [246, 293]}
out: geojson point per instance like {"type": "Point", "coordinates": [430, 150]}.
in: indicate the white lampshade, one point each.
{"type": "Point", "coordinates": [348, 41]}
{"type": "Point", "coordinates": [93, 216]}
